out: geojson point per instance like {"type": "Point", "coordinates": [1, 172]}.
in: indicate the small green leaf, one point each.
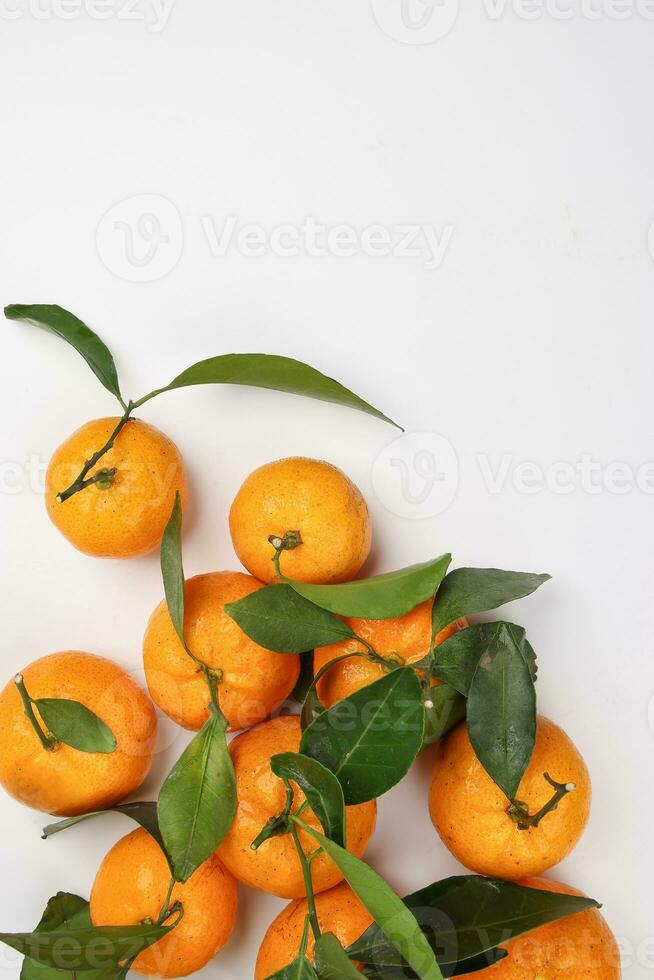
{"type": "Point", "coordinates": [273, 372]}
{"type": "Point", "coordinates": [197, 802]}
{"type": "Point", "coordinates": [502, 712]}
{"type": "Point", "coordinates": [279, 619]}
{"type": "Point", "coordinates": [331, 961]}
{"type": "Point", "coordinates": [299, 969]}
{"type": "Point", "coordinates": [389, 912]}
{"type": "Point", "coordinates": [172, 569]}
{"type": "Point", "coordinates": [145, 814]}
{"type": "Point", "coordinates": [382, 597]}
{"type": "Point", "coordinates": [466, 916]}
{"type": "Point", "coordinates": [321, 788]}
{"type": "Point", "coordinates": [474, 590]}
{"type": "Point", "coordinates": [63, 911]}
{"type": "Point", "coordinates": [455, 661]}
{"type": "Point", "coordinates": [444, 709]}
{"type": "Point", "coordinates": [75, 725]}
{"type": "Point", "coordinates": [370, 739]}
{"type": "Point", "coordinates": [63, 324]}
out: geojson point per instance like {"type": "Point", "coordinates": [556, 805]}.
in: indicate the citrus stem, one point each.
{"type": "Point", "coordinates": [104, 476]}
{"type": "Point", "coordinates": [526, 821]}
{"type": "Point", "coordinates": [48, 741]}
{"type": "Point", "coordinates": [305, 862]}
{"type": "Point", "coordinates": [166, 909]}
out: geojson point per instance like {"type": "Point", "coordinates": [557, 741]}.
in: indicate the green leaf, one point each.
{"type": "Point", "coordinates": [197, 802]}
{"type": "Point", "coordinates": [370, 739]}
{"type": "Point", "coordinates": [466, 916]}
{"type": "Point", "coordinates": [446, 709]}
{"type": "Point", "coordinates": [466, 591]}
{"type": "Point", "coordinates": [460, 969]}
{"type": "Point", "coordinates": [63, 324]}
{"type": "Point", "coordinates": [381, 597]}
{"type": "Point", "coordinates": [279, 619]}
{"type": "Point", "coordinates": [321, 788]}
{"type": "Point", "coordinates": [331, 961]}
{"type": "Point", "coordinates": [455, 661]}
{"type": "Point", "coordinates": [145, 814]}
{"type": "Point", "coordinates": [75, 725]}
{"type": "Point", "coordinates": [63, 911]}
{"type": "Point", "coordinates": [273, 372]}
{"type": "Point", "coordinates": [172, 569]}
{"type": "Point", "coordinates": [305, 680]}
{"type": "Point", "coordinates": [299, 969]}
{"type": "Point", "coordinates": [80, 947]}
{"type": "Point", "coordinates": [389, 912]}
{"type": "Point", "coordinates": [502, 711]}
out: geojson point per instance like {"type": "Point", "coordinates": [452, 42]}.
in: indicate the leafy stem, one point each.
{"type": "Point", "coordinates": [167, 909]}
{"type": "Point", "coordinates": [104, 478]}
{"type": "Point", "coordinates": [305, 862]}
{"type": "Point", "coordinates": [518, 811]}
{"type": "Point", "coordinates": [48, 741]}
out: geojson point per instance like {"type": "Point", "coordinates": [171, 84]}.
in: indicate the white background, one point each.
{"type": "Point", "coordinates": [532, 141]}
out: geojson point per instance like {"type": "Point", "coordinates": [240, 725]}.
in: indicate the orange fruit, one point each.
{"type": "Point", "coordinates": [339, 912]}
{"type": "Point", "coordinates": [125, 516]}
{"type": "Point", "coordinates": [131, 885]}
{"type": "Point", "coordinates": [275, 866]}
{"type": "Point", "coordinates": [255, 681]}
{"type": "Point", "coordinates": [309, 496]}
{"type": "Point", "coordinates": [405, 637]}
{"type": "Point", "coordinates": [470, 812]}
{"type": "Point", "coordinates": [66, 781]}
{"type": "Point", "coordinates": [580, 947]}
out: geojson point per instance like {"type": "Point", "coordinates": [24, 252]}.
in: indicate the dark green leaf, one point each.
{"type": "Point", "coordinates": [62, 323]}
{"type": "Point", "coordinates": [382, 597]}
{"type": "Point", "coordinates": [331, 961]}
{"type": "Point", "coordinates": [145, 814]}
{"type": "Point", "coordinates": [274, 372]}
{"type": "Point", "coordinates": [466, 916]}
{"type": "Point", "coordinates": [389, 912]}
{"type": "Point", "coordinates": [444, 708]}
{"type": "Point", "coordinates": [197, 802]}
{"type": "Point", "coordinates": [299, 969]}
{"type": "Point", "coordinates": [370, 739]}
{"type": "Point", "coordinates": [279, 619]}
{"type": "Point", "coordinates": [305, 680]}
{"type": "Point", "coordinates": [321, 788]}
{"type": "Point", "coordinates": [75, 725]}
{"type": "Point", "coordinates": [502, 711]}
{"type": "Point", "coordinates": [463, 968]}
{"type": "Point", "coordinates": [455, 661]}
{"type": "Point", "coordinates": [172, 569]}
{"type": "Point", "coordinates": [473, 590]}
{"type": "Point", "coordinates": [64, 911]}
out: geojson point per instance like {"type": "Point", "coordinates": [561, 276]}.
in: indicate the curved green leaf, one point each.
{"type": "Point", "coordinates": [67, 326]}
{"type": "Point", "coordinates": [466, 916]}
{"type": "Point", "coordinates": [299, 969]}
{"type": "Point", "coordinates": [172, 568]}
{"type": "Point", "coordinates": [444, 709]}
{"type": "Point", "coordinates": [463, 968]}
{"type": "Point", "coordinates": [274, 372]}
{"type": "Point", "coordinates": [502, 712]}
{"type": "Point", "coordinates": [321, 788]}
{"type": "Point", "coordinates": [370, 739]}
{"type": "Point", "coordinates": [455, 661]}
{"type": "Point", "coordinates": [75, 725]}
{"type": "Point", "coordinates": [144, 814]}
{"type": "Point", "coordinates": [197, 802]}
{"type": "Point", "coordinates": [63, 911]}
{"type": "Point", "coordinates": [466, 591]}
{"type": "Point", "coordinates": [331, 961]}
{"type": "Point", "coordinates": [381, 597]}
{"type": "Point", "coordinates": [280, 619]}
{"type": "Point", "coordinates": [390, 913]}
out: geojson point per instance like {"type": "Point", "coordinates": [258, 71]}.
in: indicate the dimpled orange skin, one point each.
{"type": "Point", "coordinates": [128, 518]}
{"type": "Point", "coordinates": [407, 637]}
{"type": "Point", "coordinates": [580, 947]}
{"type": "Point", "coordinates": [469, 810]}
{"type": "Point", "coordinates": [255, 681]}
{"type": "Point", "coordinates": [309, 496]}
{"type": "Point", "coordinates": [275, 866]}
{"type": "Point", "coordinates": [131, 885]}
{"type": "Point", "coordinates": [339, 912]}
{"type": "Point", "coordinates": [66, 782]}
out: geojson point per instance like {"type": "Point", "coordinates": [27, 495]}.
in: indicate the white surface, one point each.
{"type": "Point", "coordinates": [530, 140]}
